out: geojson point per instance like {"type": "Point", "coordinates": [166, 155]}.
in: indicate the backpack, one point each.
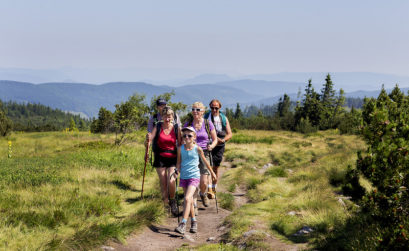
{"type": "Point", "coordinates": [223, 118]}
{"type": "Point", "coordinates": [155, 148]}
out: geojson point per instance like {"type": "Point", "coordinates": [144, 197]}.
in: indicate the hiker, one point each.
{"type": "Point", "coordinates": [224, 134]}
{"type": "Point", "coordinates": [188, 166]}
{"type": "Point", "coordinates": [206, 138]}
{"type": "Point", "coordinates": [154, 119]}
{"type": "Point", "coordinates": [164, 138]}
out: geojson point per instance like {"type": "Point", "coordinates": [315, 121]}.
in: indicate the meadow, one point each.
{"type": "Point", "coordinates": [291, 182]}
{"type": "Point", "coordinates": [70, 191]}
{"type": "Point", "coordinates": [65, 191]}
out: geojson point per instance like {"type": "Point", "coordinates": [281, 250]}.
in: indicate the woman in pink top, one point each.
{"type": "Point", "coordinates": [165, 137]}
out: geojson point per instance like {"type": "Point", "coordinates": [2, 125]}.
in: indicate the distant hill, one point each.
{"type": "Point", "coordinates": [88, 98]}
{"type": "Point", "coordinates": [349, 81]}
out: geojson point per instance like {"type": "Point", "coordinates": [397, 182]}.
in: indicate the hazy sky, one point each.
{"type": "Point", "coordinates": [212, 36]}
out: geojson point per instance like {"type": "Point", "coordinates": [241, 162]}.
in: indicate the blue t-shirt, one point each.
{"type": "Point", "coordinates": [189, 166]}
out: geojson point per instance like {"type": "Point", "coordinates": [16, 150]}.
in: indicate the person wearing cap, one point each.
{"type": "Point", "coordinates": [154, 119]}
{"type": "Point", "coordinates": [188, 166]}
{"type": "Point", "coordinates": [207, 140]}
{"type": "Point", "coordinates": [224, 133]}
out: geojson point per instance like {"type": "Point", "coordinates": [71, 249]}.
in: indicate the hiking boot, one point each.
{"type": "Point", "coordinates": [181, 228]}
{"type": "Point", "coordinates": [173, 207]}
{"type": "Point", "coordinates": [210, 194]}
{"type": "Point", "coordinates": [193, 227]}
{"type": "Point", "coordinates": [205, 200]}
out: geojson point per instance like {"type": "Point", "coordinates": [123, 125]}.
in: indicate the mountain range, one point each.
{"type": "Point", "coordinates": [86, 99]}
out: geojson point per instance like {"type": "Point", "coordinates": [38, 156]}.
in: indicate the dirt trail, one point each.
{"type": "Point", "coordinates": [210, 229]}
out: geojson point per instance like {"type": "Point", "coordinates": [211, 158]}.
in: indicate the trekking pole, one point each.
{"type": "Point", "coordinates": [176, 193]}
{"type": "Point", "coordinates": [215, 195]}
{"type": "Point", "coordinates": [144, 169]}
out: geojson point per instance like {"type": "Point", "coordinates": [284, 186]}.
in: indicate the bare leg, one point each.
{"type": "Point", "coordinates": [172, 182]}
{"type": "Point", "coordinates": [188, 203]}
{"type": "Point", "coordinates": [203, 182]}
{"type": "Point", "coordinates": [163, 184]}
{"type": "Point", "coordinates": [216, 171]}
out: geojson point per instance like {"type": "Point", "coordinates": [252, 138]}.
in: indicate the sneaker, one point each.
{"type": "Point", "coordinates": [181, 228]}
{"type": "Point", "coordinates": [173, 207]}
{"type": "Point", "coordinates": [210, 194]}
{"type": "Point", "coordinates": [205, 200]}
{"type": "Point", "coordinates": [193, 227]}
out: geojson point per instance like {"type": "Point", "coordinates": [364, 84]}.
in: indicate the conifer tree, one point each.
{"type": "Point", "coordinates": [385, 164]}
{"type": "Point", "coordinates": [238, 113]}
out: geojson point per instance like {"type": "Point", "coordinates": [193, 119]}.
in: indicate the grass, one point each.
{"type": "Point", "coordinates": [297, 189]}
{"type": "Point", "coordinates": [64, 191]}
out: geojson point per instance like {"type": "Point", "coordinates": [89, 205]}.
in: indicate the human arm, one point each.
{"type": "Point", "coordinates": [213, 136]}
{"type": "Point", "coordinates": [229, 133]}
{"type": "Point", "coordinates": [201, 154]}
{"type": "Point", "coordinates": [150, 124]}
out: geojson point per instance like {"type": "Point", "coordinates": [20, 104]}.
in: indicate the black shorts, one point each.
{"type": "Point", "coordinates": [164, 162]}
{"type": "Point", "coordinates": [217, 155]}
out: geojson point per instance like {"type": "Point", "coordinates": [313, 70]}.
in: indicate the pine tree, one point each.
{"type": "Point", "coordinates": [385, 164]}
{"type": "Point", "coordinates": [238, 113]}
{"type": "Point", "coordinates": [283, 105]}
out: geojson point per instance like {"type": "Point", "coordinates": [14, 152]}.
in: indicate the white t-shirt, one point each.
{"type": "Point", "coordinates": [218, 123]}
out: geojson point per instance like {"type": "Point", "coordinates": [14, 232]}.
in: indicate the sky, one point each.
{"type": "Point", "coordinates": [214, 36]}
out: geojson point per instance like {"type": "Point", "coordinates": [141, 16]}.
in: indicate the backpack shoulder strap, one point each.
{"type": "Point", "coordinates": [207, 127]}
{"type": "Point", "coordinates": [175, 128]}
{"type": "Point", "coordinates": [223, 120]}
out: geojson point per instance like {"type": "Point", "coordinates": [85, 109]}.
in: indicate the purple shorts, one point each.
{"type": "Point", "coordinates": [189, 182]}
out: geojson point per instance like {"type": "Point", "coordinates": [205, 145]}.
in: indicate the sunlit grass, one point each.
{"type": "Point", "coordinates": [73, 190]}
{"type": "Point", "coordinates": [295, 190]}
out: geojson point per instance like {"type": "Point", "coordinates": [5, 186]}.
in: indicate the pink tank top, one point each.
{"type": "Point", "coordinates": [167, 144]}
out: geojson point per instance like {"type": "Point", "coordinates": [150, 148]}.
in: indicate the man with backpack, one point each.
{"type": "Point", "coordinates": [224, 134]}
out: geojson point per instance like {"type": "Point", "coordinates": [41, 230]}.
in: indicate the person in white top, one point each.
{"type": "Point", "coordinates": [224, 134]}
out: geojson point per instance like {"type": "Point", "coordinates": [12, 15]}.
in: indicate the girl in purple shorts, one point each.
{"type": "Point", "coordinates": [188, 166]}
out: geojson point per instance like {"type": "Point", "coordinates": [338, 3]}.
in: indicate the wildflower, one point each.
{"type": "Point", "coordinates": [9, 152]}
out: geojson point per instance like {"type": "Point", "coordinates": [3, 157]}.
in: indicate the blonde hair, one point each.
{"type": "Point", "coordinates": [167, 110]}
{"type": "Point", "coordinates": [199, 104]}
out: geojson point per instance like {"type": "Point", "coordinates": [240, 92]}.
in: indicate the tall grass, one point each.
{"type": "Point", "coordinates": [70, 191]}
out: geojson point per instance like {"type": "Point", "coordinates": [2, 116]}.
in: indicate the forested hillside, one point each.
{"type": "Point", "coordinates": [37, 117]}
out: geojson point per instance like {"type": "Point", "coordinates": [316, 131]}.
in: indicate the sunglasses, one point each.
{"type": "Point", "coordinates": [214, 108]}
{"type": "Point", "coordinates": [187, 136]}
{"type": "Point", "coordinates": [196, 109]}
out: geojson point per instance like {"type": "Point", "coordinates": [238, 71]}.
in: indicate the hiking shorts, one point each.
{"type": "Point", "coordinates": [202, 165]}
{"type": "Point", "coordinates": [161, 161]}
{"type": "Point", "coordinates": [217, 155]}
{"type": "Point", "coordinates": [189, 182]}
